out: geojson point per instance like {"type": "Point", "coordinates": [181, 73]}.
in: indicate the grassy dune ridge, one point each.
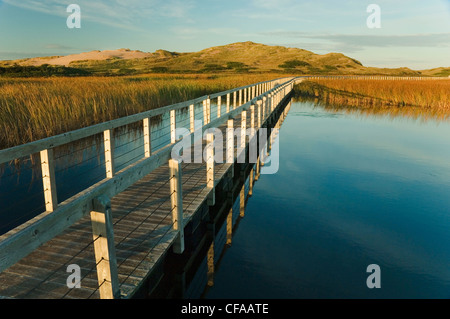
{"type": "Point", "coordinates": [241, 57]}
{"type": "Point", "coordinates": [35, 108]}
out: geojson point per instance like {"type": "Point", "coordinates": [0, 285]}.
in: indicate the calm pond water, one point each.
{"type": "Point", "coordinates": [352, 190]}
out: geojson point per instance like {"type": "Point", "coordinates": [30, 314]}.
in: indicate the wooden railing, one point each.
{"type": "Point", "coordinates": [95, 200]}
{"type": "Point", "coordinates": [374, 77]}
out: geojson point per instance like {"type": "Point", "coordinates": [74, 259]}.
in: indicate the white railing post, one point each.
{"type": "Point", "coordinates": [258, 103]}
{"type": "Point", "coordinates": [173, 137]}
{"type": "Point", "coordinates": [241, 154]}
{"type": "Point", "coordinates": [105, 253]}
{"type": "Point", "coordinates": [230, 144]}
{"type": "Point", "coordinates": [176, 199]}
{"type": "Point", "coordinates": [208, 109]}
{"type": "Point", "coordinates": [205, 112]}
{"type": "Point", "coordinates": [264, 105]}
{"type": "Point", "coordinates": [271, 102]}
{"type": "Point", "coordinates": [230, 141]}
{"type": "Point", "coordinates": [192, 118]}
{"type": "Point", "coordinates": [147, 137]}
{"type": "Point", "coordinates": [48, 180]}
{"type": "Point", "coordinates": [210, 177]}
{"type": "Point", "coordinates": [108, 137]}
{"type": "Point", "coordinates": [219, 106]}
{"type": "Point", "coordinates": [243, 123]}
{"type": "Point", "coordinates": [252, 118]}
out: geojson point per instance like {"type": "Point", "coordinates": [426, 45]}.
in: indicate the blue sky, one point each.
{"type": "Point", "coordinates": [413, 33]}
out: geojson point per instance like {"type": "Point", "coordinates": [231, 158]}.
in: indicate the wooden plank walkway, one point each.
{"type": "Point", "coordinates": [135, 214]}
{"type": "Point", "coordinates": [142, 231]}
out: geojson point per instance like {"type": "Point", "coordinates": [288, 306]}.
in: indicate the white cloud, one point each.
{"type": "Point", "coordinates": [360, 41]}
{"type": "Point", "coordinates": [194, 32]}
{"type": "Point", "coordinates": [127, 14]}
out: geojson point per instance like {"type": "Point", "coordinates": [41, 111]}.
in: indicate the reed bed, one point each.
{"type": "Point", "coordinates": [430, 94]}
{"type": "Point", "coordinates": [32, 109]}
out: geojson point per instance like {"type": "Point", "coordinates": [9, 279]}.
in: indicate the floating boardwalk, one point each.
{"type": "Point", "coordinates": [112, 239]}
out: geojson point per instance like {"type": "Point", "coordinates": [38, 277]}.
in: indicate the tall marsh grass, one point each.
{"type": "Point", "coordinates": [32, 109]}
{"type": "Point", "coordinates": [428, 94]}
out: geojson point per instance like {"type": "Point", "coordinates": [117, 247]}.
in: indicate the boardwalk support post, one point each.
{"type": "Point", "coordinates": [258, 103]}
{"type": "Point", "coordinates": [173, 122]}
{"type": "Point", "coordinates": [230, 145]}
{"type": "Point", "coordinates": [105, 255]}
{"type": "Point", "coordinates": [176, 199]}
{"type": "Point", "coordinates": [207, 111]}
{"type": "Point", "coordinates": [147, 137]}
{"type": "Point", "coordinates": [210, 179]}
{"type": "Point", "coordinates": [242, 138]}
{"type": "Point", "coordinates": [191, 118]}
{"type": "Point", "coordinates": [48, 180]}
{"type": "Point", "coordinates": [219, 106]}
{"type": "Point", "coordinates": [108, 137]}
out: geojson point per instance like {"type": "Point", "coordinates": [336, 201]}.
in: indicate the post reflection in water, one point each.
{"type": "Point", "coordinates": [354, 188]}
{"type": "Point", "coordinates": [197, 270]}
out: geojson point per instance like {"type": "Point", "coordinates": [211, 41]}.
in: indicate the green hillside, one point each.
{"type": "Point", "coordinates": [242, 57]}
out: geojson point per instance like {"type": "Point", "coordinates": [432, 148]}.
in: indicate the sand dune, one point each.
{"type": "Point", "coordinates": [93, 55]}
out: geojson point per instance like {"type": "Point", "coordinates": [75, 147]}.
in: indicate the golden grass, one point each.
{"type": "Point", "coordinates": [422, 93]}
{"type": "Point", "coordinates": [32, 109]}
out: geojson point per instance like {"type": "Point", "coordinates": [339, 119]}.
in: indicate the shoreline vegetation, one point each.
{"type": "Point", "coordinates": [36, 108]}
{"type": "Point", "coordinates": [422, 98]}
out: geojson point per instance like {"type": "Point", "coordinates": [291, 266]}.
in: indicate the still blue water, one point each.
{"type": "Point", "coordinates": [352, 190]}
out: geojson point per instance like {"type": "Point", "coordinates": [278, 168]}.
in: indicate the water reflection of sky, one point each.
{"type": "Point", "coordinates": [351, 191]}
